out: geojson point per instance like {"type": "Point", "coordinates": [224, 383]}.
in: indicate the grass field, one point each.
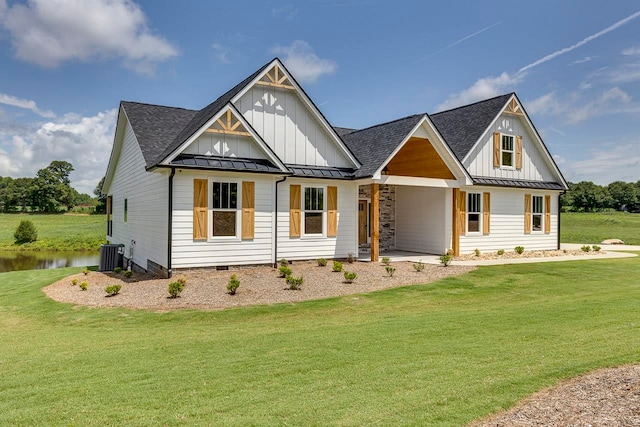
{"type": "Point", "coordinates": [69, 232]}
{"type": "Point", "coordinates": [595, 227]}
{"type": "Point", "coordinates": [439, 354]}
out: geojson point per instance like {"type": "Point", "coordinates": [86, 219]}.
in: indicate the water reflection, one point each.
{"type": "Point", "coordinates": [12, 261]}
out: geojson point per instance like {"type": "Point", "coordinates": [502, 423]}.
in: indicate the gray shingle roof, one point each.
{"type": "Point", "coordinates": [462, 127]}
{"type": "Point", "coordinates": [372, 146]}
{"type": "Point", "coordinates": [155, 125]}
{"type": "Point", "coordinates": [518, 183]}
{"type": "Point", "coordinates": [343, 131]}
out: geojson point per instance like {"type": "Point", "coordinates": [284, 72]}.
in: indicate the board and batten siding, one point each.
{"type": "Point", "coordinates": [423, 219]}
{"type": "Point", "coordinates": [187, 252]}
{"type": "Point", "coordinates": [312, 247]}
{"type": "Point", "coordinates": [225, 145]}
{"type": "Point", "coordinates": [289, 128]}
{"type": "Point", "coordinates": [479, 161]}
{"type": "Point", "coordinates": [507, 223]}
{"type": "Point", "coordinates": [146, 194]}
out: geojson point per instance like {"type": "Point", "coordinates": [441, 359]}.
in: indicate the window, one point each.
{"type": "Point", "coordinates": [473, 213]}
{"type": "Point", "coordinates": [224, 208]}
{"type": "Point", "coordinates": [506, 152]}
{"type": "Point", "coordinates": [125, 210]}
{"type": "Point", "coordinates": [313, 210]}
{"type": "Point", "coordinates": [536, 213]}
{"type": "Point", "coordinates": [109, 215]}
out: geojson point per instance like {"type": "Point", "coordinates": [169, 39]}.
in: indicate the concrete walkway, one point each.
{"type": "Point", "coordinates": [610, 251]}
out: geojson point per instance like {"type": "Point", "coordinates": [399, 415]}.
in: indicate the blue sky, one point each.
{"type": "Point", "coordinates": [66, 64]}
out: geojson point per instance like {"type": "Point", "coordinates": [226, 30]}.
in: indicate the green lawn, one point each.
{"type": "Point", "coordinates": [439, 354]}
{"type": "Point", "coordinates": [595, 227]}
{"type": "Point", "coordinates": [69, 232]}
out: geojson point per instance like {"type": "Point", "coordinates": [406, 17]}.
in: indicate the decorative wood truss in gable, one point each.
{"type": "Point", "coordinates": [228, 124]}
{"type": "Point", "coordinates": [275, 77]}
{"type": "Point", "coordinates": [514, 108]}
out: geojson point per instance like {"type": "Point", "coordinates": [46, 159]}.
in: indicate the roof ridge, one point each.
{"type": "Point", "coordinates": [157, 105]}
{"type": "Point", "coordinates": [386, 123]}
{"type": "Point", "coordinates": [473, 103]}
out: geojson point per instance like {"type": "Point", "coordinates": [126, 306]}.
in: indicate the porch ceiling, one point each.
{"type": "Point", "coordinates": [419, 159]}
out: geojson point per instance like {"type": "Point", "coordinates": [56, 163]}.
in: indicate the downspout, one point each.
{"type": "Point", "coordinates": [559, 212]}
{"type": "Point", "coordinates": [170, 223]}
{"type": "Point", "coordinates": [275, 243]}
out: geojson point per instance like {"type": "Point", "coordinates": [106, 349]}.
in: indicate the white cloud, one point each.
{"type": "Point", "coordinates": [288, 12]}
{"type": "Point", "coordinates": [305, 65]}
{"type": "Point", "coordinates": [583, 60]}
{"type": "Point", "coordinates": [26, 104]}
{"type": "Point", "coordinates": [615, 162]}
{"type": "Point", "coordinates": [546, 104]}
{"type": "Point", "coordinates": [608, 103]}
{"type": "Point", "coordinates": [632, 51]}
{"type": "Point", "coordinates": [626, 73]}
{"type": "Point", "coordinates": [221, 53]}
{"type": "Point", "coordinates": [484, 88]}
{"type": "Point", "coordinates": [51, 32]}
{"type": "Point", "coordinates": [85, 142]}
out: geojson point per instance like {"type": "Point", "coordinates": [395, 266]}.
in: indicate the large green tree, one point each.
{"type": "Point", "coordinates": [52, 189]}
{"type": "Point", "coordinates": [624, 195]}
{"type": "Point", "coordinates": [589, 197]}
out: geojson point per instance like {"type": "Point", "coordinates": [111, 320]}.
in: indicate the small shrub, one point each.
{"type": "Point", "coordinates": [117, 270]}
{"type": "Point", "coordinates": [337, 266]}
{"type": "Point", "coordinates": [586, 248]}
{"type": "Point", "coordinates": [233, 285]}
{"type": "Point", "coordinates": [294, 282]}
{"type": "Point", "coordinates": [74, 281]}
{"type": "Point", "coordinates": [349, 277]}
{"type": "Point", "coordinates": [564, 251]}
{"type": "Point", "coordinates": [85, 271]}
{"type": "Point", "coordinates": [476, 251]}
{"type": "Point", "coordinates": [386, 260]}
{"type": "Point", "coordinates": [128, 274]}
{"type": "Point", "coordinates": [84, 286]}
{"type": "Point", "coordinates": [519, 249]}
{"type": "Point", "coordinates": [283, 262]}
{"type": "Point", "coordinates": [26, 232]}
{"type": "Point", "coordinates": [596, 248]}
{"type": "Point", "coordinates": [390, 270]}
{"type": "Point", "coordinates": [418, 266]}
{"type": "Point", "coordinates": [351, 258]}
{"type": "Point", "coordinates": [175, 288]}
{"type": "Point", "coordinates": [113, 290]}
{"type": "Point", "coordinates": [445, 259]}
{"type": "Point", "coordinates": [449, 252]}
{"type": "Point", "coordinates": [500, 252]}
{"type": "Point", "coordinates": [284, 271]}
{"type": "Point", "coordinates": [181, 280]}
{"type": "Point", "coordinates": [322, 262]}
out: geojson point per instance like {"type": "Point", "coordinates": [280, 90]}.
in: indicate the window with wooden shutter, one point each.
{"type": "Point", "coordinates": [527, 214]}
{"type": "Point", "coordinates": [332, 211]}
{"type": "Point", "coordinates": [496, 149]}
{"type": "Point", "coordinates": [462, 212]}
{"type": "Point", "coordinates": [547, 214]}
{"type": "Point", "coordinates": [486, 209]}
{"type": "Point", "coordinates": [200, 208]}
{"type": "Point", "coordinates": [473, 212]}
{"type": "Point", "coordinates": [294, 211]}
{"type": "Point", "coordinates": [519, 152]}
{"type": "Point", "coordinates": [248, 209]}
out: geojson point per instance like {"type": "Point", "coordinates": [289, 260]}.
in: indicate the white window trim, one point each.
{"type": "Point", "coordinates": [533, 214]}
{"type": "Point", "coordinates": [479, 232]}
{"type": "Point", "coordinates": [303, 211]}
{"type": "Point", "coordinates": [512, 151]}
{"type": "Point", "coordinates": [238, 210]}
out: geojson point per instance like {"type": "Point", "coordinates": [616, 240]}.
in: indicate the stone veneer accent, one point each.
{"type": "Point", "coordinates": [387, 216]}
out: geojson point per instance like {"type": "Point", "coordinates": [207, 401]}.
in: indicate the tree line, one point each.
{"type": "Point", "coordinates": [585, 196]}
{"type": "Point", "coordinates": [49, 191]}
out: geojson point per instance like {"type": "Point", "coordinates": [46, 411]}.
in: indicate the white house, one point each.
{"type": "Point", "coordinates": [260, 175]}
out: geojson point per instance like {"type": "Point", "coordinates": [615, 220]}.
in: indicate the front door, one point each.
{"type": "Point", "coordinates": [363, 222]}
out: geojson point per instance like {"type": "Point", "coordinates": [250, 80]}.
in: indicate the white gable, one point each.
{"type": "Point", "coordinates": [225, 145]}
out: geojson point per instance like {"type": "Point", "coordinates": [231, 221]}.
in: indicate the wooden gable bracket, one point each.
{"type": "Point", "coordinates": [228, 124]}
{"type": "Point", "coordinates": [276, 78]}
{"type": "Point", "coordinates": [514, 108]}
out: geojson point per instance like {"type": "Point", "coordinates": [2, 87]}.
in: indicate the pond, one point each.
{"type": "Point", "coordinates": [12, 261]}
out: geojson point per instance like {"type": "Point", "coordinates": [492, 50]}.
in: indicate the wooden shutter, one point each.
{"type": "Point", "coordinates": [547, 214]}
{"type": "Point", "coordinates": [527, 214]}
{"type": "Point", "coordinates": [496, 149]}
{"type": "Point", "coordinates": [332, 211]}
{"type": "Point", "coordinates": [294, 211]}
{"type": "Point", "coordinates": [486, 208]}
{"type": "Point", "coordinates": [248, 209]}
{"type": "Point", "coordinates": [462, 213]}
{"type": "Point", "coordinates": [200, 208]}
{"type": "Point", "coordinates": [519, 152]}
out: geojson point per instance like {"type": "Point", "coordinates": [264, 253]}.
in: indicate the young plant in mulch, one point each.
{"type": "Point", "coordinates": [233, 285]}
{"type": "Point", "coordinates": [85, 271]}
{"type": "Point", "coordinates": [175, 288]}
{"type": "Point", "coordinates": [445, 259]}
{"type": "Point", "coordinates": [84, 286]}
{"type": "Point", "coordinates": [390, 270]}
{"type": "Point", "coordinates": [337, 266]}
{"type": "Point", "coordinates": [295, 283]}
{"type": "Point", "coordinates": [418, 266]}
{"type": "Point", "coordinates": [284, 271]}
{"type": "Point", "coordinates": [117, 270]}
{"type": "Point", "coordinates": [596, 248]}
{"type": "Point", "coordinates": [113, 290]}
{"type": "Point", "coordinates": [586, 248]}
{"type": "Point", "coordinates": [519, 249]}
{"type": "Point", "coordinates": [500, 252]}
{"type": "Point", "coordinates": [350, 277]}
{"type": "Point", "coordinates": [386, 260]}
{"type": "Point", "coordinates": [322, 262]}
{"type": "Point", "coordinates": [74, 281]}
{"type": "Point", "coordinates": [283, 262]}
{"type": "Point", "coordinates": [351, 258]}
{"type": "Point", "coordinates": [476, 251]}
{"type": "Point", "coordinates": [128, 274]}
